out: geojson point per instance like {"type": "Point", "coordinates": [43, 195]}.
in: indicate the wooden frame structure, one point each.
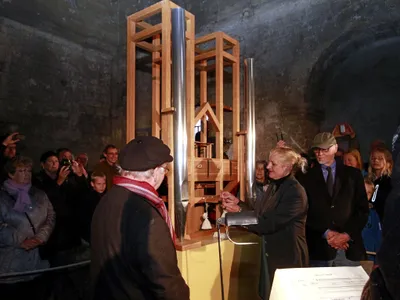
{"type": "Point", "coordinates": [139, 33]}
{"type": "Point", "coordinates": [204, 172]}
{"type": "Point", "coordinates": [213, 55]}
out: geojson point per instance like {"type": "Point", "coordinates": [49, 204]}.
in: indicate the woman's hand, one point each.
{"type": "Point", "coordinates": [228, 199]}
{"type": "Point", "coordinates": [232, 208]}
{"type": "Point", "coordinates": [30, 244]}
{"type": "Point", "coordinates": [229, 202]}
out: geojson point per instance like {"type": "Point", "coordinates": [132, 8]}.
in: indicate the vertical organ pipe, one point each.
{"type": "Point", "coordinates": [251, 130]}
{"type": "Point", "coordinates": [181, 195]}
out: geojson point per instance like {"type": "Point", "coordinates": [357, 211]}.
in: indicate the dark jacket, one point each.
{"type": "Point", "coordinates": [3, 162]}
{"type": "Point", "coordinates": [283, 226]}
{"type": "Point", "coordinates": [385, 186]}
{"type": "Point", "coordinates": [133, 255]}
{"type": "Point", "coordinates": [281, 222]}
{"type": "Point", "coordinates": [387, 276]}
{"type": "Point", "coordinates": [64, 199]}
{"type": "Point", "coordinates": [88, 203]}
{"type": "Point", "coordinates": [347, 211]}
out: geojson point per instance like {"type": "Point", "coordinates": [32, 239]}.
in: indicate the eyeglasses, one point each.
{"type": "Point", "coordinates": [165, 168]}
{"type": "Point", "coordinates": [320, 150]}
{"type": "Point", "coordinates": [112, 153]}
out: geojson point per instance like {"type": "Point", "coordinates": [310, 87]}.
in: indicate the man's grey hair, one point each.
{"type": "Point", "coordinates": [138, 175]}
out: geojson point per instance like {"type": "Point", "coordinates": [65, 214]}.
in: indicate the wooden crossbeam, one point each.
{"type": "Point", "coordinates": [204, 56]}
{"type": "Point", "coordinates": [200, 51]}
{"type": "Point", "coordinates": [206, 38]}
{"type": "Point", "coordinates": [149, 47]}
{"type": "Point", "coordinates": [167, 110]}
{"type": "Point", "coordinates": [229, 57]}
{"type": "Point", "coordinates": [145, 46]}
{"type": "Point", "coordinates": [206, 109]}
{"type": "Point", "coordinates": [143, 25]}
{"type": "Point", "coordinates": [157, 60]}
{"type": "Point", "coordinates": [229, 39]}
{"type": "Point", "coordinates": [146, 33]}
{"type": "Point", "coordinates": [211, 67]}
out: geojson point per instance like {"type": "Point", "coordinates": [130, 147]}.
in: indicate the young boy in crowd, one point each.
{"type": "Point", "coordinates": [372, 232]}
{"type": "Point", "coordinates": [90, 200]}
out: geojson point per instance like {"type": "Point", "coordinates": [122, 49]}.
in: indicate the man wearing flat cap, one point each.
{"type": "Point", "coordinates": [338, 208]}
{"type": "Point", "coordinates": [133, 251]}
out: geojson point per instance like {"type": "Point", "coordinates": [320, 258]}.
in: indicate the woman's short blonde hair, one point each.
{"type": "Point", "coordinates": [356, 154]}
{"type": "Point", "coordinates": [289, 156]}
{"type": "Point", "coordinates": [387, 170]}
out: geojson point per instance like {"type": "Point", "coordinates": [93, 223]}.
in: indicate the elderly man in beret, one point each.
{"type": "Point", "coordinates": [133, 252]}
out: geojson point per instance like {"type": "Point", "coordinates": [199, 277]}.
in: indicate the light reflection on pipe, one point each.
{"type": "Point", "coordinates": [251, 130]}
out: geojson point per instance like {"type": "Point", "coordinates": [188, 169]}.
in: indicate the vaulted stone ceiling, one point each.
{"type": "Point", "coordinates": [298, 46]}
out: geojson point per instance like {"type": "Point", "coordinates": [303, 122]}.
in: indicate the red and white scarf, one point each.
{"type": "Point", "coordinates": [145, 190]}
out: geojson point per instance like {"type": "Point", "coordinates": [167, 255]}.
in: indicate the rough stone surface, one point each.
{"type": "Point", "coordinates": [57, 92]}
{"type": "Point", "coordinates": [298, 46]}
{"type": "Point", "coordinates": [287, 38]}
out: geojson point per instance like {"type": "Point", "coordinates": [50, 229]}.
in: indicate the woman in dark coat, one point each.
{"type": "Point", "coordinates": [380, 171]}
{"type": "Point", "coordinates": [281, 217]}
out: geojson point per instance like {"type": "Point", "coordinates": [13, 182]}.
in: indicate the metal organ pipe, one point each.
{"type": "Point", "coordinates": [181, 195]}
{"type": "Point", "coordinates": [251, 130]}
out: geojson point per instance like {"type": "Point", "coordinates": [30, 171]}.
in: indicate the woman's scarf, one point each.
{"type": "Point", "coordinates": [20, 192]}
{"type": "Point", "coordinates": [147, 191]}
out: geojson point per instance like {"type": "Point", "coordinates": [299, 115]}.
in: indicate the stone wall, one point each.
{"type": "Point", "coordinates": [287, 39]}
{"type": "Point", "coordinates": [57, 92]}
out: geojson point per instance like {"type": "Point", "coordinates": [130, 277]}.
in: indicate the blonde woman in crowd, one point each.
{"type": "Point", "coordinates": [353, 159]}
{"type": "Point", "coordinates": [379, 171]}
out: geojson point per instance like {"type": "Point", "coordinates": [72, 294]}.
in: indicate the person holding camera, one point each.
{"type": "Point", "coordinates": [62, 183]}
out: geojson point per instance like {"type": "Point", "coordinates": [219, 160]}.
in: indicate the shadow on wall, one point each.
{"type": "Point", "coordinates": [355, 81]}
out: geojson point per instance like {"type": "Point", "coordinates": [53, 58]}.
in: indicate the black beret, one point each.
{"type": "Point", "coordinates": [144, 153]}
{"type": "Point", "coordinates": [46, 155]}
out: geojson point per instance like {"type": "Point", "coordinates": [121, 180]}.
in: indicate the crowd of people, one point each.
{"type": "Point", "coordinates": [329, 214]}
{"type": "Point", "coordinates": [322, 209]}
{"type": "Point", "coordinates": [45, 217]}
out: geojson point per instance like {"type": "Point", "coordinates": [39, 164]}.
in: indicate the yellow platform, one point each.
{"type": "Point", "coordinates": [200, 268]}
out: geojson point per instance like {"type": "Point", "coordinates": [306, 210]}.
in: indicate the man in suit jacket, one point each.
{"type": "Point", "coordinates": [338, 208]}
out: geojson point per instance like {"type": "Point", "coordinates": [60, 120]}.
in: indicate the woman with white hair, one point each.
{"type": "Point", "coordinates": [281, 216]}
{"type": "Point", "coordinates": [26, 222]}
